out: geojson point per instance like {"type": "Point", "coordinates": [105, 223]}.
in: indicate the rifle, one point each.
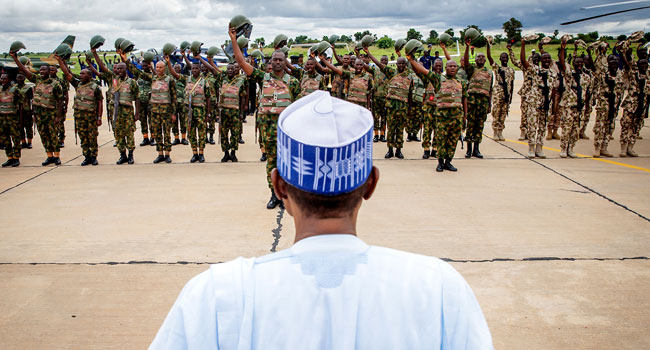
{"type": "Point", "coordinates": [116, 106]}
{"type": "Point", "coordinates": [189, 114]}
{"type": "Point", "coordinates": [75, 129]}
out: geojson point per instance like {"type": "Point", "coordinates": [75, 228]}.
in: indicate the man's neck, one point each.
{"type": "Point", "coordinates": [311, 226]}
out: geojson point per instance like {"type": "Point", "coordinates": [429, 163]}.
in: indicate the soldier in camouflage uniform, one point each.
{"type": "Point", "coordinates": [635, 104]}
{"type": "Point", "coordinates": [339, 86]}
{"type": "Point", "coordinates": [87, 111]}
{"type": "Point", "coordinates": [540, 96]}
{"type": "Point", "coordinates": [181, 116]}
{"type": "Point", "coordinates": [525, 91]}
{"type": "Point", "coordinates": [145, 110]}
{"type": "Point", "coordinates": [211, 118]}
{"type": "Point", "coordinates": [48, 109]}
{"type": "Point", "coordinates": [588, 68]}
{"type": "Point", "coordinates": [310, 80]}
{"type": "Point", "coordinates": [502, 93]}
{"type": "Point", "coordinates": [572, 101]}
{"type": "Point", "coordinates": [10, 112]}
{"type": "Point", "coordinates": [60, 125]}
{"type": "Point", "coordinates": [479, 101]}
{"type": "Point", "coordinates": [398, 96]}
{"type": "Point", "coordinates": [416, 109]}
{"type": "Point", "coordinates": [232, 94]}
{"type": "Point", "coordinates": [431, 114]}
{"type": "Point", "coordinates": [451, 103]}
{"type": "Point", "coordinates": [278, 91]}
{"type": "Point", "coordinates": [27, 117]}
{"type": "Point", "coordinates": [379, 111]}
{"type": "Point", "coordinates": [359, 82]}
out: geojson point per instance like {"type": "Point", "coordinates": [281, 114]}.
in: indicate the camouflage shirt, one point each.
{"type": "Point", "coordinates": [608, 86]}
{"type": "Point", "coordinates": [575, 88]}
{"type": "Point", "coordinates": [57, 91]}
{"type": "Point", "coordinates": [634, 79]}
{"type": "Point", "coordinates": [542, 83]}
{"type": "Point", "coordinates": [294, 85]}
{"type": "Point", "coordinates": [504, 83]}
{"type": "Point", "coordinates": [528, 78]}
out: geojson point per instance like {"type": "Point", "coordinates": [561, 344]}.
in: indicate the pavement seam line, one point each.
{"type": "Point", "coordinates": [276, 231]}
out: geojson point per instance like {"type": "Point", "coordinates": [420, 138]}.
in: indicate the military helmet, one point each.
{"type": "Point", "coordinates": [256, 53]}
{"type": "Point", "coordinates": [280, 40]}
{"type": "Point", "coordinates": [96, 41]}
{"type": "Point", "coordinates": [16, 46]}
{"type": "Point", "coordinates": [242, 42]}
{"type": "Point", "coordinates": [412, 46]}
{"type": "Point", "coordinates": [471, 33]}
{"type": "Point", "coordinates": [490, 39]}
{"type": "Point", "coordinates": [127, 46]}
{"type": "Point", "coordinates": [445, 38]}
{"type": "Point", "coordinates": [333, 38]}
{"type": "Point", "coordinates": [118, 43]}
{"type": "Point", "coordinates": [185, 45]}
{"type": "Point", "coordinates": [636, 36]}
{"type": "Point", "coordinates": [322, 47]}
{"type": "Point", "coordinates": [399, 44]}
{"type": "Point", "coordinates": [212, 50]}
{"type": "Point", "coordinates": [367, 40]}
{"type": "Point", "coordinates": [285, 50]}
{"type": "Point", "coordinates": [89, 55]}
{"type": "Point", "coordinates": [64, 51]}
{"type": "Point", "coordinates": [530, 37]}
{"type": "Point", "coordinates": [168, 49]}
{"type": "Point", "coordinates": [24, 60]}
{"type": "Point", "coordinates": [547, 40]}
{"type": "Point", "coordinates": [148, 56]}
{"type": "Point", "coordinates": [358, 45]}
{"type": "Point", "coordinates": [581, 43]}
{"type": "Point", "coordinates": [196, 47]}
{"type": "Point", "coordinates": [239, 21]}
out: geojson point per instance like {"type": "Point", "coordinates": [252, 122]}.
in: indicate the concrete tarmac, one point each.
{"type": "Point", "coordinates": [556, 250]}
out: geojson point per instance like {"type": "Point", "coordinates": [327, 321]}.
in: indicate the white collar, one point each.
{"type": "Point", "coordinates": [330, 243]}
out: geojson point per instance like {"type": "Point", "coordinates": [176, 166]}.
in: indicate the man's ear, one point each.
{"type": "Point", "coordinates": [373, 178]}
{"type": "Point", "coordinates": [279, 186]}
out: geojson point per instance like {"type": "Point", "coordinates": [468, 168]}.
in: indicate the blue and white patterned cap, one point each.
{"type": "Point", "coordinates": [325, 144]}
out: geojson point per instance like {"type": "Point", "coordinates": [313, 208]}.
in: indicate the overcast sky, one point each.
{"type": "Point", "coordinates": [41, 25]}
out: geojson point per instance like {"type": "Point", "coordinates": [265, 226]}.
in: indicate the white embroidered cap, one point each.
{"type": "Point", "coordinates": [324, 144]}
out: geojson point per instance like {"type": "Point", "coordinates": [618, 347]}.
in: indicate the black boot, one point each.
{"type": "Point", "coordinates": [476, 152]}
{"type": "Point", "coordinates": [408, 137]}
{"type": "Point", "coordinates": [130, 159]}
{"type": "Point", "coordinates": [241, 140]}
{"type": "Point", "coordinates": [441, 165]}
{"type": "Point", "coordinates": [15, 163]}
{"type": "Point", "coordinates": [468, 154]}
{"type": "Point", "coordinates": [168, 159]}
{"type": "Point", "coordinates": [185, 142]}
{"type": "Point", "coordinates": [263, 157]}
{"type": "Point", "coordinates": [57, 161]}
{"type": "Point", "coordinates": [448, 165]}
{"type": "Point", "coordinates": [398, 153]}
{"type": "Point", "coordinates": [8, 163]}
{"type": "Point", "coordinates": [159, 159]}
{"type": "Point", "coordinates": [93, 161]}
{"type": "Point", "coordinates": [382, 138]}
{"type": "Point", "coordinates": [48, 161]}
{"type": "Point", "coordinates": [123, 159]}
{"type": "Point", "coordinates": [416, 138]}
{"type": "Point", "coordinates": [176, 142]}
{"type": "Point", "coordinates": [86, 161]}
{"type": "Point", "coordinates": [145, 142]}
{"type": "Point", "coordinates": [434, 152]}
{"type": "Point", "coordinates": [61, 144]}
{"type": "Point", "coordinates": [201, 158]}
{"type": "Point", "coordinates": [390, 153]}
{"type": "Point", "coordinates": [114, 144]}
{"type": "Point", "coordinates": [195, 158]}
{"type": "Point", "coordinates": [152, 143]}
{"type": "Point", "coordinates": [29, 145]}
{"type": "Point", "coordinates": [426, 154]}
{"type": "Point", "coordinates": [212, 139]}
{"type": "Point", "coordinates": [376, 138]}
{"type": "Point", "coordinates": [226, 157]}
{"type": "Point", "coordinates": [273, 201]}
{"type": "Point", "coordinates": [233, 157]}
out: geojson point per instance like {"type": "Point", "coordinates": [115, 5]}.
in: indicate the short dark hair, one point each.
{"type": "Point", "coordinates": [327, 207]}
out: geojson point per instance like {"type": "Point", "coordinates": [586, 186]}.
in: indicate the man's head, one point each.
{"type": "Point", "coordinates": [436, 54]}
{"type": "Point", "coordinates": [612, 63]}
{"type": "Point", "coordinates": [480, 59]}
{"type": "Point", "coordinates": [535, 58]}
{"type": "Point", "coordinates": [310, 65]}
{"type": "Point", "coordinates": [53, 71]}
{"type": "Point", "coordinates": [196, 70]}
{"type": "Point", "coordinates": [204, 69]}
{"type": "Point", "coordinates": [452, 68]}
{"type": "Point", "coordinates": [578, 63]}
{"type": "Point", "coordinates": [346, 60]}
{"type": "Point", "coordinates": [232, 70]}
{"type": "Point", "coordinates": [546, 60]}
{"type": "Point", "coordinates": [503, 58]}
{"type": "Point", "coordinates": [177, 68]}
{"type": "Point", "coordinates": [437, 66]}
{"type": "Point", "coordinates": [4, 79]}
{"type": "Point", "coordinates": [641, 63]}
{"type": "Point", "coordinates": [384, 60]}
{"type": "Point", "coordinates": [120, 69]}
{"type": "Point", "coordinates": [85, 75]}
{"type": "Point", "coordinates": [278, 62]}
{"type": "Point", "coordinates": [20, 78]}
{"type": "Point", "coordinates": [401, 64]}
{"type": "Point", "coordinates": [160, 68]}
{"type": "Point", "coordinates": [642, 53]}
{"type": "Point", "coordinates": [44, 71]}
{"type": "Point", "coordinates": [366, 59]}
{"type": "Point", "coordinates": [358, 66]}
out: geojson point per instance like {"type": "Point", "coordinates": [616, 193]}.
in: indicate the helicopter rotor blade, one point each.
{"type": "Point", "coordinates": [603, 15]}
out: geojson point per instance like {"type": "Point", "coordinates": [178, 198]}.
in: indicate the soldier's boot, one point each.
{"type": "Point", "coordinates": [501, 138]}
{"type": "Point", "coordinates": [556, 136]}
{"type": "Point", "coordinates": [448, 165]}
{"type": "Point", "coordinates": [263, 157]}
{"type": "Point", "coordinates": [468, 154]}
{"type": "Point", "coordinates": [201, 158]}
{"type": "Point", "coordinates": [623, 153]}
{"type": "Point", "coordinates": [531, 151]}
{"type": "Point", "coordinates": [145, 142]}
{"type": "Point", "coordinates": [408, 137]}
{"type": "Point", "coordinates": [159, 159]}
{"type": "Point", "coordinates": [539, 152]}
{"type": "Point", "coordinates": [185, 142]}
{"type": "Point", "coordinates": [427, 154]}
{"type": "Point", "coordinates": [477, 152]}
{"type": "Point", "coordinates": [241, 140]}
{"type": "Point", "coordinates": [571, 154]}
{"type": "Point", "coordinates": [233, 157]}
{"type": "Point", "coordinates": [382, 138]}
{"type": "Point", "coordinates": [8, 163]}
{"type": "Point", "coordinates": [398, 153]}
{"type": "Point", "coordinates": [61, 144]}
{"type": "Point", "coordinates": [93, 161]}
{"type": "Point", "coordinates": [434, 152]}
{"type": "Point", "coordinates": [563, 152]}
{"type": "Point", "coordinates": [441, 165]}
{"type": "Point", "coordinates": [130, 158]}
{"type": "Point", "coordinates": [212, 138]}
{"type": "Point", "coordinates": [376, 138]}
{"type": "Point", "coordinates": [48, 161]}
{"type": "Point", "coordinates": [416, 138]}
{"type": "Point", "coordinates": [495, 136]}
{"type": "Point", "coordinates": [390, 153]}
{"type": "Point", "coordinates": [639, 137]}
{"type": "Point", "coordinates": [176, 141]}
{"type": "Point", "coordinates": [114, 144]}
{"type": "Point", "coordinates": [273, 201]}
{"type": "Point", "coordinates": [153, 142]}
{"type": "Point", "coordinates": [549, 134]}
{"type": "Point", "coordinates": [29, 144]}
{"type": "Point", "coordinates": [522, 137]}
{"type": "Point", "coordinates": [15, 163]}
{"type": "Point", "coordinates": [123, 159]}
{"type": "Point", "coordinates": [226, 157]}
{"type": "Point", "coordinates": [630, 150]}
{"type": "Point", "coordinates": [195, 158]}
{"type": "Point", "coordinates": [168, 159]}
{"type": "Point", "coordinates": [596, 152]}
{"type": "Point", "coordinates": [604, 152]}
{"type": "Point", "coordinates": [583, 136]}
{"type": "Point", "coordinates": [86, 161]}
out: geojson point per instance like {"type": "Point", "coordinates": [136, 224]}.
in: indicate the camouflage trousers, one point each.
{"type": "Point", "coordinates": [212, 118]}
{"type": "Point", "coordinates": [570, 130]}
{"type": "Point", "coordinates": [123, 129]}
{"type": "Point", "coordinates": [379, 113]}
{"type": "Point", "coordinates": [414, 121]}
{"type": "Point", "coordinates": [630, 125]}
{"type": "Point", "coordinates": [161, 121]}
{"type": "Point", "coordinates": [181, 119]}
{"type": "Point", "coordinates": [229, 129]}
{"type": "Point", "coordinates": [86, 125]}
{"type": "Point", "coordinates": [525, 114]}
{"type": "Point", "coordinates": [10, 134]}
{"type": "Point", "coordinates": [46, 128]}
{"type": "Point", "coordinates": [449, 123]}
{"type": "Point", "coordinates": [197, 128]}
{"type": "Point", "coordinates": [584, 117]}
{"type": "Point", "coordinates": [27, 127]}
{"type": "Point", "coordinates": [499, 113]}
{"type": "Point", "coordinates": [60, 128]}
{"type": "Point", "coordinates": [537, 123]}
{"type": "Point", "coordinates": [397, 111]}
{"type": "Point", "coordinates": [430, 117]}
{"type": "Point", "coordinates": [477, 115]}
{"type": "Point", "coordinates": [260, 133]}
{"type": "Point", "coordinates": [554, 119]}
{"type": "Point", "coordinates": [603, 128]}
{"type": "Point", "coordinates": [144, 115]}
{"type": "Point", "coordinates": [268, 127]}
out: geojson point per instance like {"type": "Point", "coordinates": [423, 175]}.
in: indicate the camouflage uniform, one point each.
{"type": "Point", "coordinates": [10, 105]}
{"type": "Point", "coordinates": [589, 103]}
{"type": "Point", "coordinates": [181, 113]}
{"type": "Point", "coordinates": [215, 83]}
{"type": "Point", "coordinates": [145, 110]}
{"type": "Point", "coordinates": [398, 94]}
{"type": "Point", "coordinates": [543, 80]}
{"type": "Point", "coordinates": [430, 113]}
{"type": "Point", "coordinates": [572, 103]}
{"type": "Point", "coordinates": [60, 126]}
{"type": "Point", "coordinates": [524, 93]}
{"type": "Point", "coordinates": [269, 111]}
{"type": "Point", "coordinates": [340, 86]}
{"type": "Point", "coordinates": [86, 115]}
{"type": "Point", "coordinates": [309, 82]}
{"type": "Point", "coordinates": [359, 87]}
{"type": "Point", "coordinates": [163, 103]}
{"type": "Point", "coordinates": [46, 93]}
{"type": "Point", "coordinates": [608, 99]}
{"type": "Point", "coordinates": [379, 112]}
{"type": "Point", "coordinates": [124, 123]}
{"type": "Point", "coordinates": [416, 115]}
{"type": "Point", "coordinates": [635, 107]}
{"type": "Point", "coordinates": [232, 94]}
{"type": "Point", "coordinates": [478, 102]}
{"type": "Point", "coordinates": [201, 92]}
{"type": "Point", "coordinates": [27, 127]}
{"type": "Point", "coordinates": [501, 96]}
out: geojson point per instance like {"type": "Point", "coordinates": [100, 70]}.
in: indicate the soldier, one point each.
{"type": "Point", "coordinates": [279, 90]}
{"type": "Point", "coordinates": [10, 113]}
{"type": "Point", "coordinates": [87, 111]}
{"type": "Point", "coordinates": [310, 79]}
{"type": "Point", "coordinates": [416, 109]}
{"type": "Point", "coordinates": [635, 104]}
{"type": "Point", "coordinates": [430, 115]}
{"type": "Point", "coordinates": [588, 68]}
{"type": "Point", "coordinates": [572, 101]}
{"type": "Point", "coordinates": [398, 96]}
{"type": "Point", "coordinates": [359, 82]}
{"type": "Point", "coordinates": [451, 103]}
{"type": "Point", "coordinates": [181, 115]}
{"type": "Point", "coordinates": [48, 108]}
{"type": "Point", "coordinates": [60, 125]}
{"type": "Point", "coordinates": [502, 93]}
{"type": "Point", "coordinates": [144, 87]}
{"type": "Point", "coordinates": [479, 100]}
{"type": "Point", "coordinates": [611, 85]}
{"type": "Point", "coordinates": [540, 96]}
{"type": "Point", "coordinates": [123, 92]}
{"type": "Point", "coordinates": [27, 116]}
{"type": "Point", "coordinates": [340, 86]}
{"type": "Point", "coordinates": [211, 118]}
{"type": "Point", "coordinates": [379, 112]}
{"type": "Point", "coordinates": [524, 91]}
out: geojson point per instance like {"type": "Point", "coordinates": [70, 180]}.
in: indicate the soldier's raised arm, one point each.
{"type": "Point", "coordinates": [379, 64]}
{"type": "Point", "coordinates": [209, 64]}
{"type": "Point", "coordinates": [100, 63]}
{"type": "Point", "coordinates": [21, 67]}
{"type": "Point", "coordinates": [466, 63]}
{"type": "Point", "coordinates": [64, 68]}
{"type": "Point", "coordinates": [332, 68]}
{"type": "Point", "coordinates": [443, 46]}
{"type": "Point", "coordinates": [90, 66]}
{"type": "Point", "coordinates": [187, 60]}
{"type": "Point", "coordinates": [172, 71]}
{"type": "Point", "coordinates": [338, 58]}
{"type": "Point", "coordinates": [522, 56]}
{"type": "Point", "coordinates": [562, 56]}
{"type": "Point", "coordinates": [489, 53]}
{"type": "Point", "coordinates": [239, 57]}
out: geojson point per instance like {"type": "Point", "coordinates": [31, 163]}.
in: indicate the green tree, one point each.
{"type": "Point", "coordinates": [621, 37]}
{"type": "Point", "coordinates": [512, 28]}
{"type": "Point", "coordinates": [413, 34]}
{"type": "Point", "coordinates": [556, 33]}
{"type": "Point", "coordinates": [450, 31]}
{"type": "Point", "coordinates": [498, 39]}
{"type": "Point", "coordinates": [359, 35]}
{"type": "Point", "coordinates": [301, 39]}
{"type": "Point", "coordinates": [385, 42]}
{"type": "Point", "coordinates": [345, 39]}
{"type": "Point", "coordinates": [478, 42]}
{"type": "Point", "coordinates": [325, 38]}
